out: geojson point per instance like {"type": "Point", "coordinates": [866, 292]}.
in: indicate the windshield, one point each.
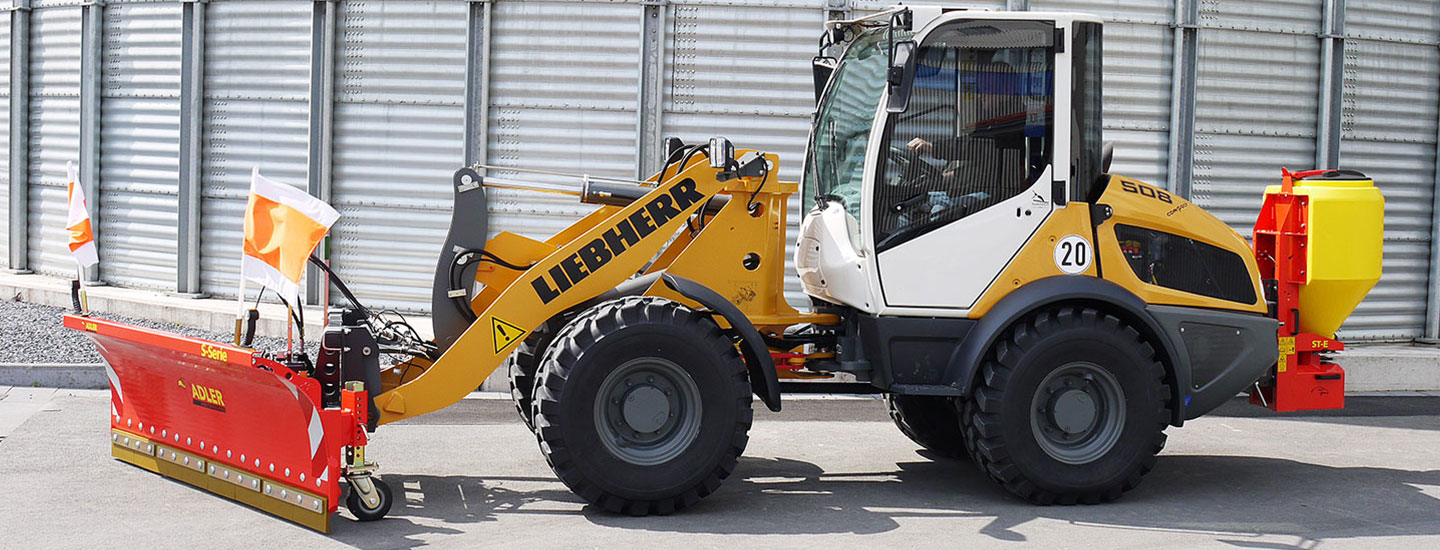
{"type": "Point", "coordinates": [835, 160]}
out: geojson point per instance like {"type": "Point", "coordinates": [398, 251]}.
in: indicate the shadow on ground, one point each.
{"type": "Point", "coordinates": [1232, 499]}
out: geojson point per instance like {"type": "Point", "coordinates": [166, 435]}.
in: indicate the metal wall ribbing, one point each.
{"type": "Point", "coordinates": [55, 34]}
{"type": "Point", "coordinates": [564, 82]}
{"type": "Point", "coordinates": [5, 24]}
{"type": "Point", "coordinates": [139, 143]}
{"type": "Point", "coordinates": [399, 130]}
{"type": "Point", "coordinates": [257, 81]}
{"type": "Point", "coordinates": [1205, 97]}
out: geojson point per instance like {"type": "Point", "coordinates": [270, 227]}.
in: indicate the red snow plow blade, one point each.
{"type": "Point", "coordinates": [226, 420]}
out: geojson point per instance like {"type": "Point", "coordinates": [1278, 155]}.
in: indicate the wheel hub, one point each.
{"type": "Point", "coordinates": [646, 409]}
{"type": "Point", "coordinates": [1078, 413]}
{"type": "Point", "coordinates": [1073, 411]}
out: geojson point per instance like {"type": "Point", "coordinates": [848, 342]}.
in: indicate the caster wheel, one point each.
{"type": "Point", "coordinates": [364, 511]}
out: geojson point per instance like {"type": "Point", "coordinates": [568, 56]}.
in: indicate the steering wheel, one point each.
{"type": "Point", "coordinates": [914, 174]}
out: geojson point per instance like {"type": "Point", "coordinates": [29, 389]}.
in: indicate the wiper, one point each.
{"type": "Point", "coordinates": [834, 157]}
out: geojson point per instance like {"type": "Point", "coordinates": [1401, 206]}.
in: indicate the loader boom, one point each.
{"type": "Point", "coordinates": [616, 244]}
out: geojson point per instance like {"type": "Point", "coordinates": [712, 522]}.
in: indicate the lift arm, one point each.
{"type": "Point", "coordinates": [603, 256]}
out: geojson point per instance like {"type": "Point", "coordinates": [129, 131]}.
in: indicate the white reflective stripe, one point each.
{"type": "Point", "coordinates": [317, 431]}
{"type": "Point", "coordinates": [114, 382]}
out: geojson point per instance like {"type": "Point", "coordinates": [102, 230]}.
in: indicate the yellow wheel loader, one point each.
{"type": "Point", "coordinates": [964, 249]}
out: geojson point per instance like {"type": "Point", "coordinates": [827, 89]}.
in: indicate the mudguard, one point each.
{"type": "Point", "coordinates": [1075, 289]}
{"type": "Point", "coordinates": [763, 379]}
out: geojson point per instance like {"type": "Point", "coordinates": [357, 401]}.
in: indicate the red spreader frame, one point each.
{"type": "Point", "coordinates": [224, 419]}
{"type": "Point", "coordinates": [1303, 380]}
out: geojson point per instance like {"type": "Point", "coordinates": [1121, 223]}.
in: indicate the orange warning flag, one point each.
{"type": "Point", "coordinates": [82, 239]}
{"type": "Point", "coordinates": [283, 225]}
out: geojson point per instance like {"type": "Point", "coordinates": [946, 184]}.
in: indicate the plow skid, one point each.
{"type": "Point", "coordinates": [226, 420]}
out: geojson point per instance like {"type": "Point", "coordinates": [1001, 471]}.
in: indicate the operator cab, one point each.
{"type": "Point", "coordinates": [939, 146]}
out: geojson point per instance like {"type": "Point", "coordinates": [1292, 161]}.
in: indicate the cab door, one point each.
{"type": "Point", "coordinates": [965, 175]}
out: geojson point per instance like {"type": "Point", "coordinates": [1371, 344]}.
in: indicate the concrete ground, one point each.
{"type": "Point", "coordinates": [823, 473]}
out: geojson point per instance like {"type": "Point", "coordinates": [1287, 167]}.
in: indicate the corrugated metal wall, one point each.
{"type": "Point", "coordinates": [567, 91]}
{"type": "Point", "coordinates": [54, 132]}
{"type": "Point", "coordinates": [738, 72]}
{"type": "Point", "coordinates": [140, 143]}
{"type": "Point", "coordinates": [1392, 79]}
{"type": "Point", "coordinates": [399, 135]}
{"type": "Point", "coordinates": [558, 105]}
{"type": "Point", "coordinates": [257, 81]}
{"type": "Point", "coordinates": [5, 143]}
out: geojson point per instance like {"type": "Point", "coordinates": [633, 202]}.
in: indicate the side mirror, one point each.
{"type": "Point", "coordinates": [823, 68]}
{"type": "Point", "coordinates": [1107, 154]}
{"type": "Point", "coordinates": [901, 75]}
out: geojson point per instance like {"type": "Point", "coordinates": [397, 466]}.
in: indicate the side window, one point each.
{"type": "Point", "coordinates": [977, 130]}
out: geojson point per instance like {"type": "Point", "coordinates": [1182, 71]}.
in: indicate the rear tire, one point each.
{"type": "Point", "coordinates": [1071, 407]}
{"type": "Point", "coordinates": [642, 406]}
{"type": "Point", "coordinates": [931, 421]}
{"type": "Point", "coordinates": [523, 365]}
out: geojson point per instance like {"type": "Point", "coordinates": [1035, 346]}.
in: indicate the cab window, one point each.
{"type": "Point", "coordinates": [977, 130]}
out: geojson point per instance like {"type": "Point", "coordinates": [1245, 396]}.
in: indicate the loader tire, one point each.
{"type": "Point", "coordinates": [1070, 407]}
{"type": "Point", "coordinates": [642, 406]}
{"type": "Point", "coordinates": [522, 366]}
{"type": "Point", "coordinates": [929, 420]}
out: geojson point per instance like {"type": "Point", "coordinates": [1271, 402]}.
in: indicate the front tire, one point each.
{"type": "Point", "coordinates": [1071, 407]}
{"type": "Point", "coordinates": [642, 406]}
{"type": "Point", "coordinates": [522, 367]}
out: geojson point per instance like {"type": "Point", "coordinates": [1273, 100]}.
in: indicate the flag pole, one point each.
{"type": "Point", "coordinates": [240, 297]}
{"type": "Point", "coordinates": [240, 305]}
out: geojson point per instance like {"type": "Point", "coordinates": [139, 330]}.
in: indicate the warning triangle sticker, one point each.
{"type": "Point", "coordinates": [504, 333]}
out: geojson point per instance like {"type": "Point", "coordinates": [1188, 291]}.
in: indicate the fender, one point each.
{"type": "Point", "coordinates": [763, 380]}
{"type": "Point", "coordinates": [1069, 288]}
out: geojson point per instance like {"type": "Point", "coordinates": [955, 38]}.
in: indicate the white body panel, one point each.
{"type": "Point", "coordinates": [953, 265]}
{"type": "Point", "coordinates": [829, 266]}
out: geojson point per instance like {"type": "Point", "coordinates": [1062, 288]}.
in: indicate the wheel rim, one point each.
{"type": "Point", "coordinates": [647, 411]}
{"type": "Point", "coordinates": [1078, 413]}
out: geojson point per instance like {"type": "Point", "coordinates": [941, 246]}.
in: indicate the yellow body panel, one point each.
{"type": "Point", "coordinates": [1036, 260]}
{"type": "Point", "coordinates": [1346, 227]}
{"type": "Point", "coordinates": [716, 257]}
{"type": "Point", "coordinates": [1142, 205]}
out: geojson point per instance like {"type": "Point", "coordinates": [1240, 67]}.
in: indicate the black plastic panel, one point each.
{"type": "Point", "coordinates": [1185, 264]}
